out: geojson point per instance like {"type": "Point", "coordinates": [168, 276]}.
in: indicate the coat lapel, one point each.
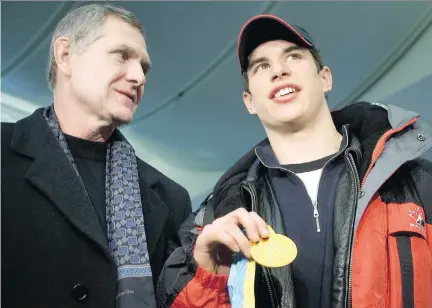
{"type": "Point", "coordinates": [154, 210]}
{"type": "Point", "coordinates": [53, 175]}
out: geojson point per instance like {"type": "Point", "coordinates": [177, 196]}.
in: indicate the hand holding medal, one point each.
{"type": "Point", "coordinates": [275, 251]}
{"type": "Point", "coordinates": [234, 243]}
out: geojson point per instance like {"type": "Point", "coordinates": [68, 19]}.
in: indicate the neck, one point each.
{"type": "Point", "coordinates": [77, 120]}
{"type": "Point", "coordinates": [307, 144]}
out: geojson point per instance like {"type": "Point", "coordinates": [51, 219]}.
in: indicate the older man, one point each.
{"type": "Point", "coordinates": [84, 221]}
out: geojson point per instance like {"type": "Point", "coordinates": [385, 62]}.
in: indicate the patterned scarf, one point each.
{"type": "Point", "coordinates": [125, 221]}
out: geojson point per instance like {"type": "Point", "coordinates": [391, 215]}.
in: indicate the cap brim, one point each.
{"type": "Point", "coordinates": [264, 28]}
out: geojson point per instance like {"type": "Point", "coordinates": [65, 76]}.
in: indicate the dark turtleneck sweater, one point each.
{"type": "Point", "coordinates": [90, 158]}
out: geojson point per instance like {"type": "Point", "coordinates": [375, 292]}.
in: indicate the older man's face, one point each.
{"type": "Point", "coordinates": [108, 77]}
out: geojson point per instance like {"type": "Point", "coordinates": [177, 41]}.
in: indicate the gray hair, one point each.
{"type": "Point", "coordinates": [82, 26]}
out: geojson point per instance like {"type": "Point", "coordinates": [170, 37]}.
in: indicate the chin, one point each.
{"type": "Point", "coordinates": [119, 121]}
{"type": "Point", "coordinates": [121, 117]}
{"type": "Point", "coordinates": [287, 117]}
{"type": "Point", "coordinates": [289, 113]}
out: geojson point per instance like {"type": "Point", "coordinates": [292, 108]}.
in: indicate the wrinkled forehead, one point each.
{"type": "Point", "coordinates": [118, 29]}
{"type": "Point", "coordinates": [117, 33]}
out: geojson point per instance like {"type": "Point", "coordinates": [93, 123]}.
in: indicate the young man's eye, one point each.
{"type": "Point", "coordinates": [261, 66]}
{"type": "Point", "coordinates": [294, 56]}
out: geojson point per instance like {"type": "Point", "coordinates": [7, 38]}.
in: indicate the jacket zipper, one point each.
{"type": "Point", "coordinates": [266, 275]}
{"type": "Point", "coordinates": [316, 215]}
{"type": "Point", "coordinates": [353, 169]}
{"type": "Point", "coordinates": [314, 203]}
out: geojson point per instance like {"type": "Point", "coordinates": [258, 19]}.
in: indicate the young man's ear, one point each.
{"type": "Point", "coordinates": [326, 79]}
{"type": "Point", "coordinates": [248, 101]}
{"type": "Point", "coordinates": [62, 54]}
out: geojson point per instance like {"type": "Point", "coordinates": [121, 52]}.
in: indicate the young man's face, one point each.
{"type": "Point", "coordinates": [285, 85]}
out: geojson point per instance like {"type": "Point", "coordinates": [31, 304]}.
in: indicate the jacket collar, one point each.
{"type": "Point", "coordinates": [267, 157]}
{"type": "Point", "coordinates": [366, 123]}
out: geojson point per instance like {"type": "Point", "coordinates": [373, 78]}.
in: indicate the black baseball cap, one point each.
{"type": "Point", "coordinates": [263, 28]}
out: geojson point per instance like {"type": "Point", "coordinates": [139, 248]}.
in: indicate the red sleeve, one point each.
{"type": "Point", "coordinates": [204, 290]}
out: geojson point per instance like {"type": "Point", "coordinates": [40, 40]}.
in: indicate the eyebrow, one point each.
{"type": "Point", "coordinates": [145, 63]}
{"type": "Point", "coordinates": [285, 51]}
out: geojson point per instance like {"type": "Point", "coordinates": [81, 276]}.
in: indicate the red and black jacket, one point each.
{"type": "Point", "coordinates": [382, 221]}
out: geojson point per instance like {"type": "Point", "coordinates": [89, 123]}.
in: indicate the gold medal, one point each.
{"type": "Point", "coordinates": [271, 231]}
{"type": "Point", "coordinates": [275, 251]}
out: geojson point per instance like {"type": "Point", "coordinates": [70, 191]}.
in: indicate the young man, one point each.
{"type": "Point", "coordinates": [348, 187]}
{"type": "Point", "coordinates": [86, 223]}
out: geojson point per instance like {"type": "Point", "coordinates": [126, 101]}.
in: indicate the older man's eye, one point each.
{"type": "Point", "coordinates": [123, 55]}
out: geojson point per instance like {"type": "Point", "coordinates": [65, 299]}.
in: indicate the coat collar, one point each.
{"type": "Point", "coordinates": [53, 175]}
